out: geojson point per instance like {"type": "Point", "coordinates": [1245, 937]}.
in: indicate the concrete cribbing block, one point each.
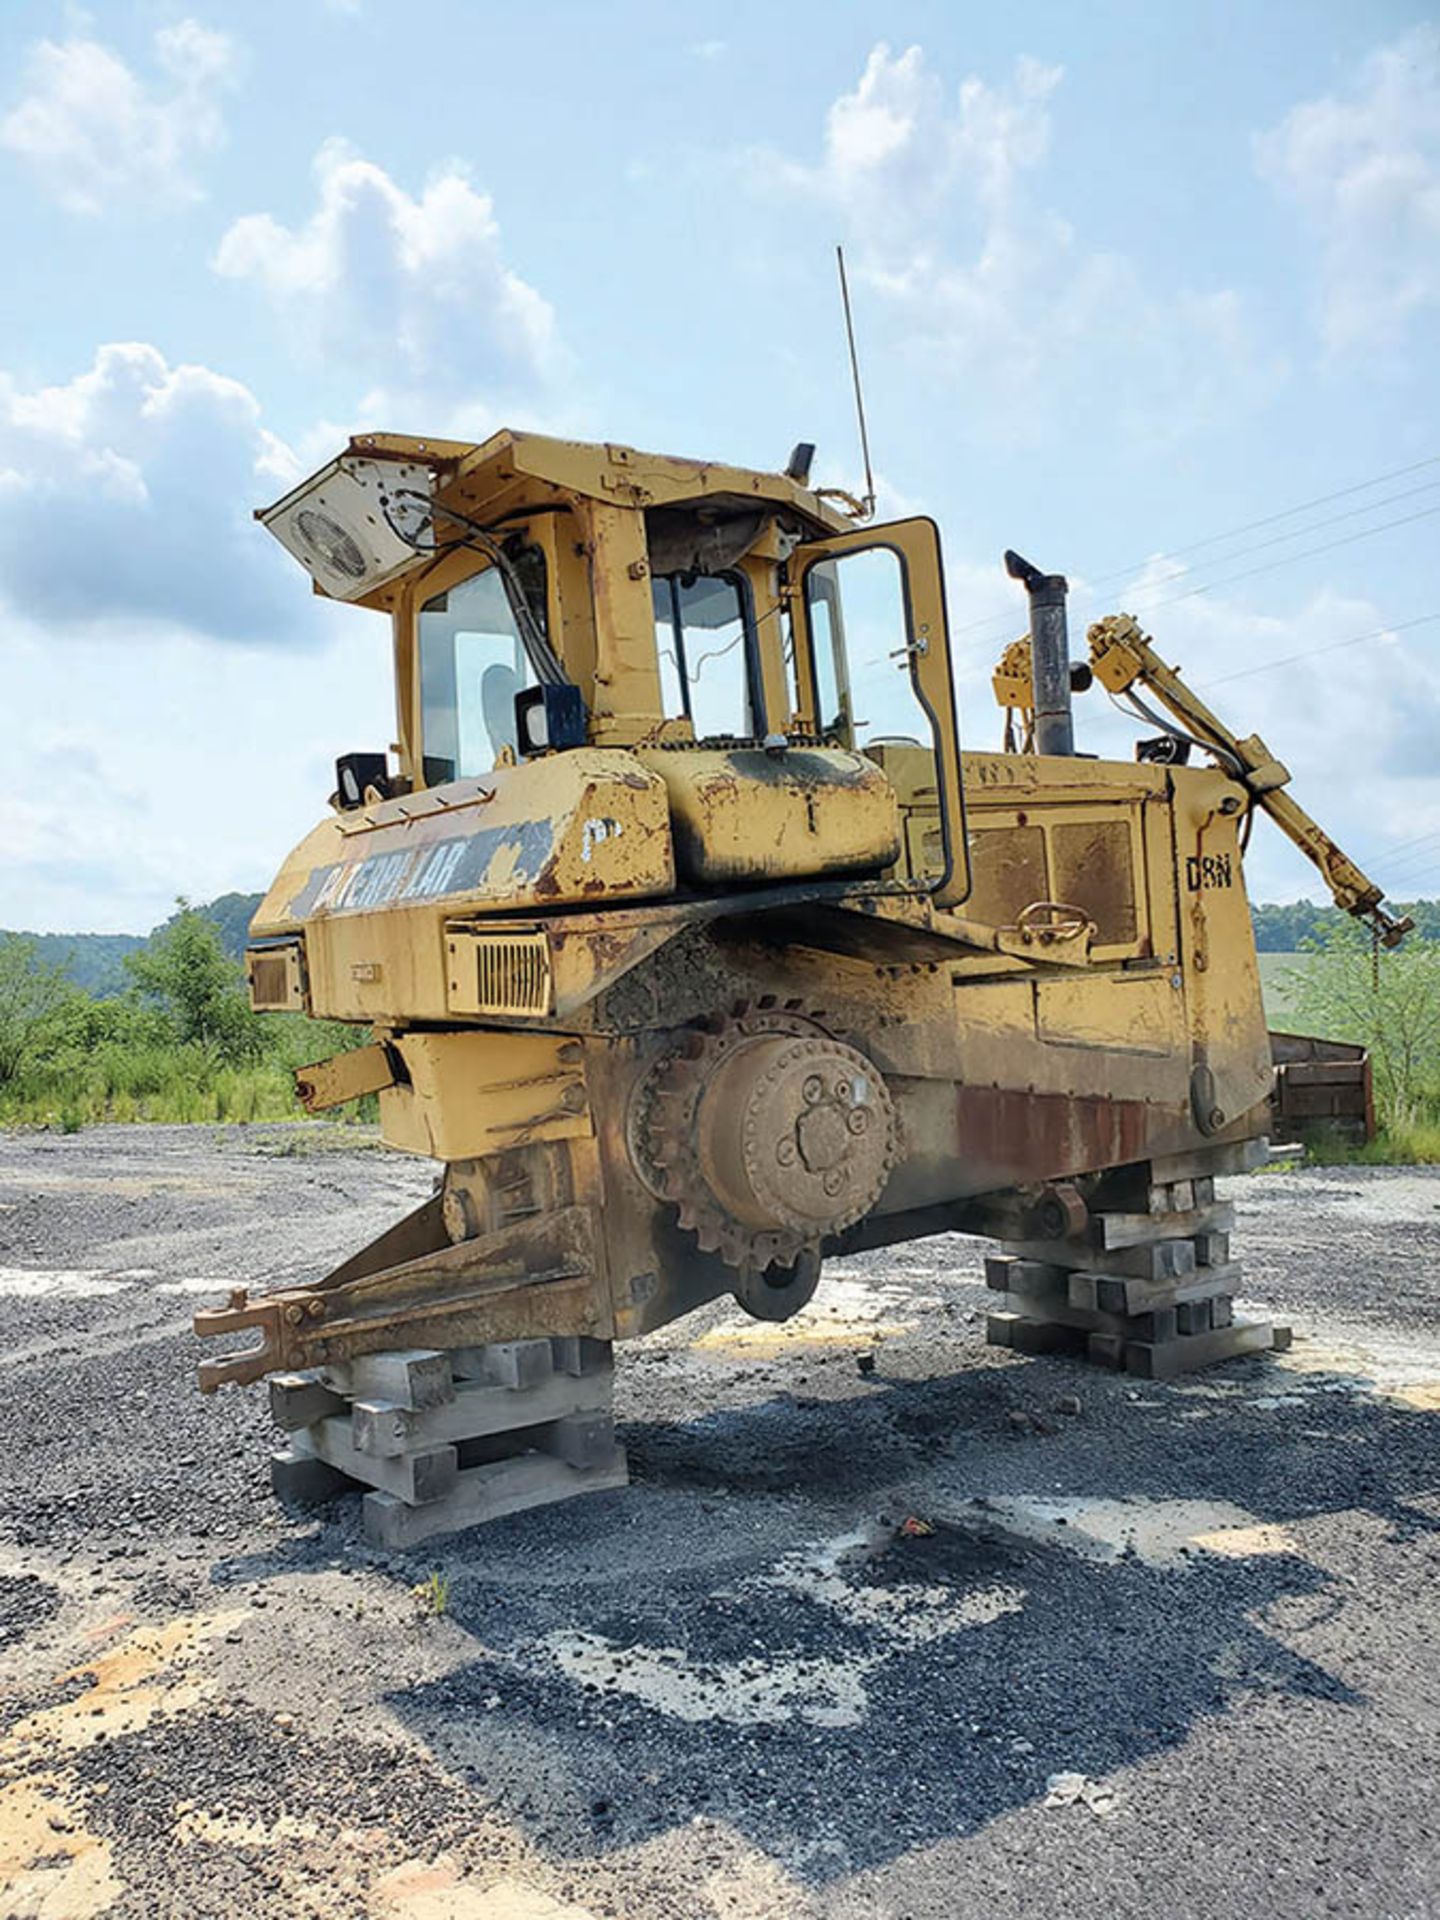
{"type": "Point", "coordinates": [381, 1430]}
{"type": "Point", "coordinates": [300, 1480]}
{"type": "Point", "coordinates": [412, 1477]}
{"type": "Point", "coordinates": [1106, 1349]}
{"type": "Point", "coordinates": [1025, 1335]}
{"type": "Point", "coordinates": [581, 1439]}
{"type": "Point", "coordinates": [1036, 1279]}
{"type": "Point", "coordinates": [1166, 1359]}
{"type": "Point", "coordinates": [577, 1354]}
{"type": "Point", "coordinates": [1195, 1316]}
{"type": "Point", "coordinates": [517, 1364]}
{"type": "Point", "coordinates": [300, 1399]}
{"type": "Point", "coordinates": [1113, 1293]}
{"type": "Point", "coordinates": [1165, 1260]}
{"type": "Point", "coordinates": [485, 1493]}
{"type": "Point", "coordinates": [1212, 1249]}
{"type": "Point", "coordinates": [415, 1377]}
{"type": "Point", "coordinates": [1114, 1231]}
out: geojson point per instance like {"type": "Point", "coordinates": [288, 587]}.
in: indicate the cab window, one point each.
{"type": "Point", "coordinates": [472, 665]}
{"type": "Point", "coordinates": [706, 654]}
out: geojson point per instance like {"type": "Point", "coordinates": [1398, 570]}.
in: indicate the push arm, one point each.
{"type": "Point", "coordinates": [1123, 659]}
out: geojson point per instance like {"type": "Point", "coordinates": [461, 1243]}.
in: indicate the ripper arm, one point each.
{"type": "Point", "coordinates": [1122, 658]}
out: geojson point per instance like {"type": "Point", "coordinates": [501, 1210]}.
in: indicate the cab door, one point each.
{"type": "Point", "coordinates": [872, 662]}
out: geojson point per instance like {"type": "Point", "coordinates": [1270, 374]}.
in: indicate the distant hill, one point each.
{"type": "Point", "coordinates": [1286, 929]}
{"type": "Point", "coordinates": [96, 961]}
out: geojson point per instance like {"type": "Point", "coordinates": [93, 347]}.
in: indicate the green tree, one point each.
{"type": "Point", "coordinates": [33, 998]}
{"type": "Point", "coordinates": [1389, 1002]}
{"type": "Point", "coordinates": [185, 969]}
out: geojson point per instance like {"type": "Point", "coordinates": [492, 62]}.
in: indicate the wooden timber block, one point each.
{"type": "Point", "coordinates": [485, 1493]}
{"type": "Point", "coordinates": [414, 1377]}
{"type": "Point", "coordinates": [1222, 1310]}
{"type": "Point", "coordinates": [382, 1430]}
{"type": "Point", "coordinates": [516, 1364]}
{"type": "Point", "coordinates": [1114, 1231]}
{"type": "Point", "coordinates": [1234, 1156]}
{"type": "Point", "coordinates": [1165, 1359]}
{"type": "Point", "coordinates": [1195, 1316]}
{"type": "Point", "coordinates": [412, 1477]}
{"type": "Point", "coordinates": [300, 1480]}
{"type": "Point", "coordinates": [1036, 1279]}
{"type": "Point", "coordinates": [1113, 1293]}
{"type": "Point", "coordinates": [300, 1399]}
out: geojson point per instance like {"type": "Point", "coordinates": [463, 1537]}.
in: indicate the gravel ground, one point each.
{"type": "Point", "coordinates": [873, 1589]}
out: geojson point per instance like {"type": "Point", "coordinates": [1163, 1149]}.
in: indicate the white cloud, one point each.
{"type": "Point", "coordinates": [125, 498]}
{"type": "Point", "coordinates": [96, 133]}
{"type": "Point", "coordinates": [1364, 168]}
{"type": "Point", "coordinates": [415, 293]}
{"type": "Point", "coordinates": [172, 766]}
{"type": "Point", "coordinates": [938, 200]}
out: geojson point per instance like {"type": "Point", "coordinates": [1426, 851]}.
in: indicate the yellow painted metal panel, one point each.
{"type": "Point", "coordinates": [474, 1094]}
{"type": "Point", "coordinates": [1117, 1012]}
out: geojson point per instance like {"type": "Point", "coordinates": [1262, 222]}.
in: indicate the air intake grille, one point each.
{"type": "Point", "coordinates": [499, 973]}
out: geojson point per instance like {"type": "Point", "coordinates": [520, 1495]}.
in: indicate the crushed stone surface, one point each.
{"type": "Point", "coordinates": [855, 1641]}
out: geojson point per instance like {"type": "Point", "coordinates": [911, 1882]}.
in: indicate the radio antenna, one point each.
{"type": "Point", "coordinates": [869, 501]}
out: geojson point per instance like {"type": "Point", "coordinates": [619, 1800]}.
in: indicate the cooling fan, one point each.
{"type": "Point", "coordinates": [356, 523]}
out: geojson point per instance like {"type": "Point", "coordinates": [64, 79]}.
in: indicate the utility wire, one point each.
{"type": "Point", "coordinates": [1314, 653]}
{"type": "Point", "coordinates": [1271, 519]}
{"type": "Point", "coordinates": [999, 621]}
{"type": "Point", "coordinates": [1285, 560]}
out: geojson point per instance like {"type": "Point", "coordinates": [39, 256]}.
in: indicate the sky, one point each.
{"type": "Point", "coordinates": [1151, 294]}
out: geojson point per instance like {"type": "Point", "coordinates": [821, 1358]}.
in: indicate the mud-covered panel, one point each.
{"type": "Point", "coordinates": [1007, 867]}
{"type": "Point", "coordinates": [744, 814]}
{"type": "Point", "coordinates": [1094, 867]}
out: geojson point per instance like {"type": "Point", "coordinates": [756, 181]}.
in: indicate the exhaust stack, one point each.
{"type": "Point", "coordinates": [1049, 654]}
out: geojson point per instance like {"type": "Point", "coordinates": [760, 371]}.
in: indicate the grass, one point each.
{"type": "Point", "coordinates": [163, 1085]}
{"type": "Point", "coordinates": [433, 1593]}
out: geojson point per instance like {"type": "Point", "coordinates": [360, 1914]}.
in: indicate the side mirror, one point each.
{"type": "Point", "coordinates": [354, 772]}
{"type": "Point", "coordinates": [549, 718]}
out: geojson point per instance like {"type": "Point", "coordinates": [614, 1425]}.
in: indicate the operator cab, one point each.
{"type": "Point", "coordinates": [773, 664]}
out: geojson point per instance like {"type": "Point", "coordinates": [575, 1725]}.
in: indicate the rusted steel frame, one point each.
{"type": "Point", "coordinates": [531, 1278]}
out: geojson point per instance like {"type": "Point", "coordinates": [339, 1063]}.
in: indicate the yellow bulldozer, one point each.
{"type": "Point", "coordinates": [696, 950]}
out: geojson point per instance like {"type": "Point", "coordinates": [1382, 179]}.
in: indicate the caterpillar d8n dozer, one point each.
{"type": "Point", "coordinates": [695, 949]}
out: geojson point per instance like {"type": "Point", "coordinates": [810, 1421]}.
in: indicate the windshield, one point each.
{"type": "Point", "coordinates": [472, 665]}
{"type": "Point", "coordinates": [705, 666]}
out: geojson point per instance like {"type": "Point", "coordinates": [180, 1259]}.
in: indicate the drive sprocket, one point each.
{"type": "Point", "coordinates": [768, 1134]}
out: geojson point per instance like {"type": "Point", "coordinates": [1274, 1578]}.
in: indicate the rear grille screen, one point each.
{"type": "Point", "coordinates": [506, 973]}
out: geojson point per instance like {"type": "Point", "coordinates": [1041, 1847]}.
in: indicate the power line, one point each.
{"type": "Point", "coordinates": [1314, 653]}
{"type": "Point", "coordinates": [1250, 526]}
{"type": "Point", "coordinates": [1270, 519]}
{"type": "Point", "coordinates": [1308, 553]}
